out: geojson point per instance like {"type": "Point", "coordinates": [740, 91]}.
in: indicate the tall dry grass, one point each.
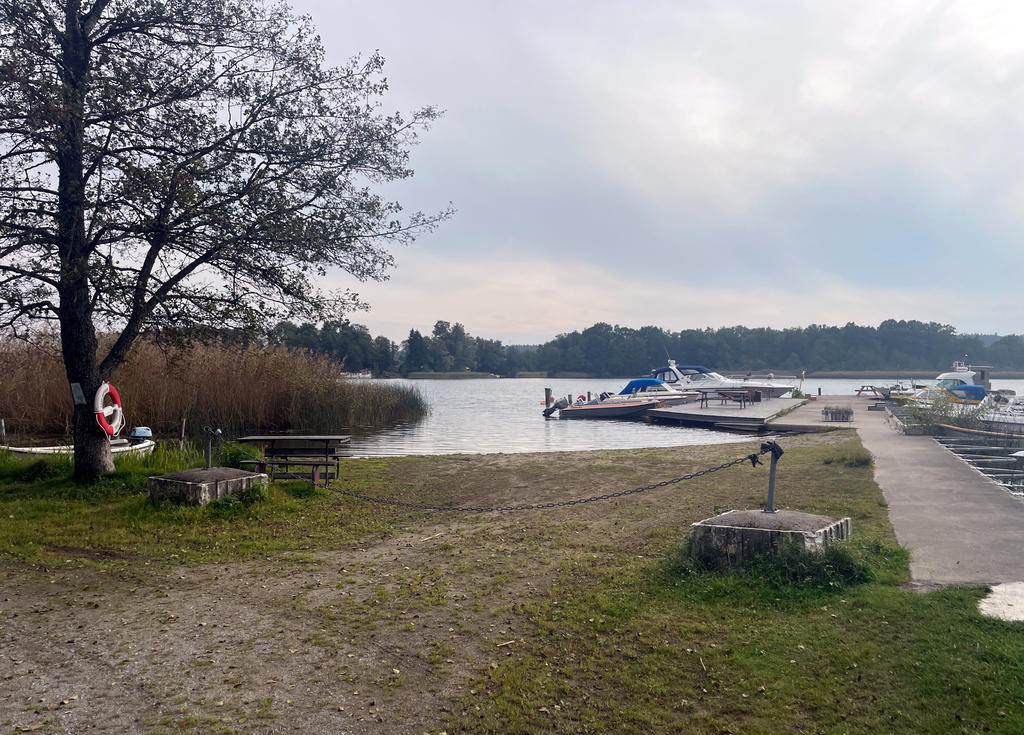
{"type": "Point", "coordinates": [238, 389]}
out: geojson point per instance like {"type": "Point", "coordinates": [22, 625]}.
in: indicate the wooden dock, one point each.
{"type": "Point", "coordinates": [731, 416]}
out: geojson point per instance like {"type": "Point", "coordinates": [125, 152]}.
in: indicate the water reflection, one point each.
{"type": "Point", "coordinates": [486, 416]}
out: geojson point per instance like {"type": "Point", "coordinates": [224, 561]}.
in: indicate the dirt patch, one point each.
{"type": "Point", "coordinates": [389, 631]}
{"type": "Point", "coordinates": [78, 552]}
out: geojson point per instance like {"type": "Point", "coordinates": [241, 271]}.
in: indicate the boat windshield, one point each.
{"type": "Point", "coordinates": [948, 383]}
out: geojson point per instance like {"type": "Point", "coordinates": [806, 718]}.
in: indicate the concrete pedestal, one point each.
{"type": "Point", "coordinates": [202, 486]}
{"type": "Point", "coordinates": [735, 536]}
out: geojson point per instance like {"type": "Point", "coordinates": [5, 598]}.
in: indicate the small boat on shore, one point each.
{"type": "Point", "coordinates": [140, 441]}
{"type": "Point", "coordinates": [118, 446]}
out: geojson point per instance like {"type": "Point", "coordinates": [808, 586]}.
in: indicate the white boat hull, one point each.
{"type": "Point", "coordinates": [117, 447]}
{"type": "Point", "coordinates": [698, 377]}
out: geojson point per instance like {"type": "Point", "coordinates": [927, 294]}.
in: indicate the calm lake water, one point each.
{"type": "Point", "coordinates": [504, 415]}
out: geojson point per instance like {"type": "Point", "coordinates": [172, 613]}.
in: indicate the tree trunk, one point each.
{"type": "Point", "coordinates": [92, 448]}
{"type": "Point", "coordinates": [78, 334]}
{"type": "Point", "coordinates": [79, 346]}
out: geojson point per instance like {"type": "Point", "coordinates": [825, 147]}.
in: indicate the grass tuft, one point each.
{"type": "Point", "coordinates": [861, 458]}
{"type": "Point", "coordinates": [792, 575]}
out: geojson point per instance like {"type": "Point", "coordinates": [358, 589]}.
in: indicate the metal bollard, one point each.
{"type": "Point", "coordinates": [776, 451]}
{"type": "Point", "coordinates": [212, 434]}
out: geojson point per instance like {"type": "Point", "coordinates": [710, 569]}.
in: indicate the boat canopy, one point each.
{"type": "Point", "coordinates": [969, 392]}
{"type": "Point", "coordinates": [639, 384]}
{"type": "Point", "coordinates": [684, 369]}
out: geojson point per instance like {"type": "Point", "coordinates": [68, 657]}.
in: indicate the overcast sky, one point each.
{"type": "Point", "coordinates": [701, 164]}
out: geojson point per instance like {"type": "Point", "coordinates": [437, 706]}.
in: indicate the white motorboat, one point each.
{"type": "Point", "coordinates": [701, 379]}
{"type": "Point", "coordinates": [965, 384]}
{"type": "Point", "coordinates": [651, 389]}
{"type": "Point", "coordinates": [1007, 417]}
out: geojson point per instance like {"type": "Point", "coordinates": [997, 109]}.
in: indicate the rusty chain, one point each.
{"type": "Point", "coordinates": [754, 460]}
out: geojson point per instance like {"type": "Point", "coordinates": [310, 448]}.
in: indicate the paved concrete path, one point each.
{"type": "Point", "coordinates": [960, 527]}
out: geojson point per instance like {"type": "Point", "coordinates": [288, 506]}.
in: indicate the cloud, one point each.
{"type": "Point", "coordinates": [704, 163]}
{"type": "Point", "coordinates": [530, 300]}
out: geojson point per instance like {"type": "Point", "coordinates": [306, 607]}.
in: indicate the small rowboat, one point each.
{"type": "Point", "coordinates": [117, 446]}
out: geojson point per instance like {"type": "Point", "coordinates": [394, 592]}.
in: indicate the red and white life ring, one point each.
{"type": "Point", "coordinates": [110, 418]}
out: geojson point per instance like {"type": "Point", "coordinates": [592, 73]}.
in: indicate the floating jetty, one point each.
{"type": "Point", "coordinates": [728, 415]}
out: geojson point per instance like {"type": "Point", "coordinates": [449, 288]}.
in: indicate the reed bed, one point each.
{"type": "Point", "coordinates": [176, 392]}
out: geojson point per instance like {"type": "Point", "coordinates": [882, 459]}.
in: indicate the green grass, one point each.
{"type": "Point", "coordinates": [619, 629]}
{"type": "Point", "coordinates": [665, 648]}
{"type": "Point", "coordinates": [46, 514]}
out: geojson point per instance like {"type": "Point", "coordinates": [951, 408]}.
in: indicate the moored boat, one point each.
{"type": "Point", "coordinates": [651, 389]}
{"type": "Point", "coordinates": [700, 378]}
{"type": "Point", "coordinates": [1007, 417]}
{"type": "Point", "coordinates": [965, 385]}
{"type": "Point", "coordinates": [607, 409]}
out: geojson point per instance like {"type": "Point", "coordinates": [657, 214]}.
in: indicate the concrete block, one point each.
{"type": "Point", "coordinates": [733, 537]}
{"type": "Point", "coordinates": [202, 486]}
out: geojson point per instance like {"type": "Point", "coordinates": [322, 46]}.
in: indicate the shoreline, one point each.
{"type": "Point", "coordinates": [816, 375]}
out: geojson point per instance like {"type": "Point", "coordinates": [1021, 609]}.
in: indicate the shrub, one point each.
{"type": "Point", "coordinates": [791, 573]}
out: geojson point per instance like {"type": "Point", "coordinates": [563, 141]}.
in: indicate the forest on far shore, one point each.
{"type": "Point", "coordinates": [603, 350]}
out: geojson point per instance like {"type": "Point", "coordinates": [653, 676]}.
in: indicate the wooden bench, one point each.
{"type": "Point", "coordinates": [269, 466]}
{"type": "Point", "coordinates": [289, 450]}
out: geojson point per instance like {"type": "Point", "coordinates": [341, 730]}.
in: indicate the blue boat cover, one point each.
{"type": "Point", "coordinates": [969, 392]}
{"type": "Point", "coordinates": [635, 385]}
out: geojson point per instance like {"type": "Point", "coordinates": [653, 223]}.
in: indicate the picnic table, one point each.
{"type": "Point", "coordinates": [725, 395]}
{"type": "Point", "coordinates": [873, 390]}
{"type": "Point", "coordinates": [282, 451]}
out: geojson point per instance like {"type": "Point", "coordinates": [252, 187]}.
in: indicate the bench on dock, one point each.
{"type": "Point", "coordinates": [308, 452]}
{"type": "Point", "coordinates": [741, 396]}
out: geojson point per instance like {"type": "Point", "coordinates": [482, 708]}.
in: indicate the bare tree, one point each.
{"type": "Point", "coordinates": [181, 165]}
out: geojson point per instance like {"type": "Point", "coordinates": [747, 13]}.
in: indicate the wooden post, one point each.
{"type": "Point", "coordinates": [3, 431]}
{"type": "Point", "coordinates": [547, 397]}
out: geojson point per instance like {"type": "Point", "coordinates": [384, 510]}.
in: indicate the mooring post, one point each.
{"type": "Point", "coordinates": [211, 434]}
{"type": "Point", "coordinates": [776, 451]}
{"type": "Point", "coordinates": [3, 431]}
{"type": "Point", "coordinates": [547, 397]}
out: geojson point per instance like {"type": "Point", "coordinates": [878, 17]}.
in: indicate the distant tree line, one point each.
{"type": "Point", "coordinates": [603, 350]}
